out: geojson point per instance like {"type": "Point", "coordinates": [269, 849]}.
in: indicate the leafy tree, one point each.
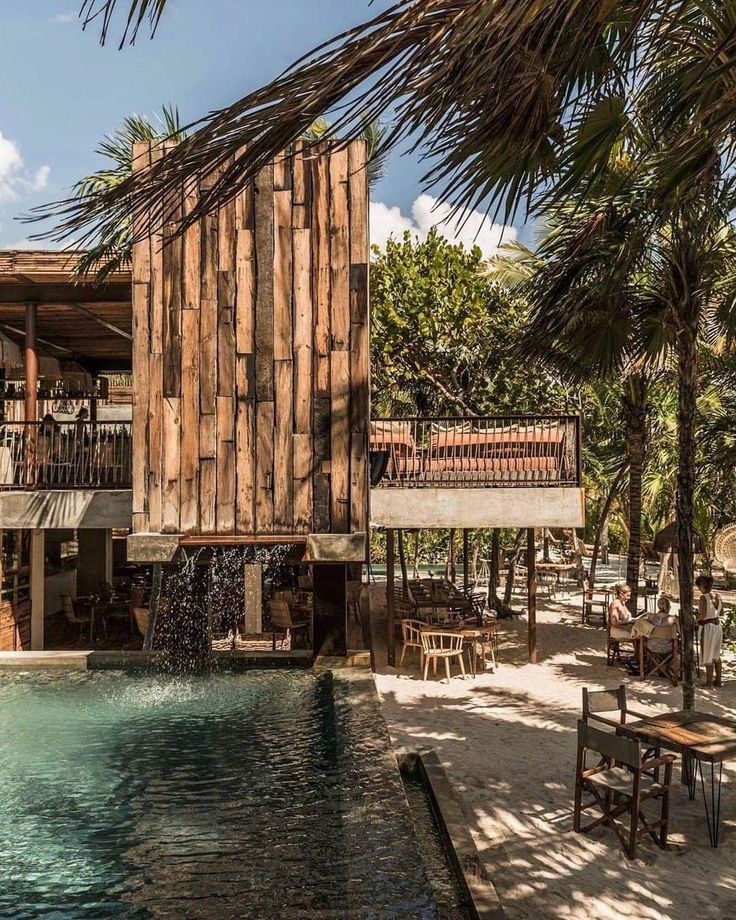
{"type": "Point", "coordinates": [443, 336]}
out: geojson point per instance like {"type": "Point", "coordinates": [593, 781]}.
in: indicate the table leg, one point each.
{"type": "Point", "coordinates": [689, 775]}
{"type": "Point", "coordinates": [712, 799]}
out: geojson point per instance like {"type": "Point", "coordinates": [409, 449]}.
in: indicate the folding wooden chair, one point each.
{"type": "Point", "coordinates": [620, 785]}
{"type": "Point", "coordinates": [597, 701]}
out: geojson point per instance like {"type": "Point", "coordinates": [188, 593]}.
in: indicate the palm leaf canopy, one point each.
{"type": "Point", "coordinates": [499, 98]}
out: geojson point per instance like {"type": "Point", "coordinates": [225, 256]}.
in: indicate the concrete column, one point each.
{"type": "Point", "coordinates": [108, 556]}
{"type": "Point", "coordinates": [253, 598]}
{"type": "Point", "coordinates": [37, 564]}
{"type": "Point", "coordinates": [330, 608]}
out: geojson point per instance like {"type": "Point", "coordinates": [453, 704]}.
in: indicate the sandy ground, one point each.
{"type": "Point", "coordinates": [508, 742]}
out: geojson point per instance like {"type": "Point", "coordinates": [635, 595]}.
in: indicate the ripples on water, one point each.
{"type": "Point", "coordinates": [257, 795]}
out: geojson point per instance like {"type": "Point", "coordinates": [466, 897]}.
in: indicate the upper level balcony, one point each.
{"type": "Point", "coordinates": [488, 471]}
{"type": "Point", "coordinates": [59, 455]}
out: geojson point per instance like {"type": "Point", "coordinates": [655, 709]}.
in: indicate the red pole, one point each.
{"type": "Point", "coordinates": [30, 359]}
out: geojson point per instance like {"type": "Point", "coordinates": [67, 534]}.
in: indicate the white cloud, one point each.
{"type": "Point", "coordinates": [60, 19]}
{"type": "Point", "coordinates": [11, 165]}
{"type": "Point", "coordinates": [473, 229]}
{"type": "Point", "coordinates": [14, 177]}
{"type": "Point", "coordinates": [41, 178]}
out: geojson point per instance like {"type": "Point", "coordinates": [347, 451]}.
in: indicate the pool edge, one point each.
{"type": "Point", "coordinates": [469, 865]}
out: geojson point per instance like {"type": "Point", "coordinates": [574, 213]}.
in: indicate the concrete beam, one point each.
{"type": "Point", "coordinates": [73, 509]}
{"type": "Point", "coordinates": [153, 547]}
{"type": "Point", "coordinates": [336, 547]}
{"type": "Point", "coordinates": [477, 508]}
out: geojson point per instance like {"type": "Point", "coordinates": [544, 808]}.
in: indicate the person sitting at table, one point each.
{"type": "Point", "coordinates": [710, 608]}
{"type": "Point", "coordinates": [661, 617]}
{"type": "Point", "coordinates": [619, 615]}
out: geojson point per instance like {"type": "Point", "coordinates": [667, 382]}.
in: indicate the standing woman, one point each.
{"type": "Point", "coordinates": [710, 608]}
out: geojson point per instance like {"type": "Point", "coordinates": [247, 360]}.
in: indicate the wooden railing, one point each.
{"type": "Point", "coordinates": [518, 450]}
{"type": "Point", "coordinates": [65, 455]}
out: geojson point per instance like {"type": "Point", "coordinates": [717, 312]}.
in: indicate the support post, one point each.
{"type": "Point", "coordinates": [108, 556]}
{"type": "Point", "coordinates": [390, 600]}
{"type": "Point", "coordinates": [330, 625]}
{"type": "Point", "coordinates": [465, 559]}
{"type": "Point", "coordinates": [30, 364]}
{"type": "Point", "coordinates": [531, 587]}
{"type": "Point", "coordinates": [253, 583]}
{"type": "Point", "coordinates": [38, 599]}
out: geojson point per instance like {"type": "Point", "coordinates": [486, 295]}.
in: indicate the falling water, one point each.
{"type": "Point", "coordinates": [203, 595]}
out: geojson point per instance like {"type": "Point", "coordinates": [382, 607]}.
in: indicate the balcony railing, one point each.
{"type": "Point", "coordinates": [519, 450]}
{"type": "Point", "coordinates": [65, 455]}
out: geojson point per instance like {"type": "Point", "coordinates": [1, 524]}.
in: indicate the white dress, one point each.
{"type": "Point", "coordinates": [711, 634]}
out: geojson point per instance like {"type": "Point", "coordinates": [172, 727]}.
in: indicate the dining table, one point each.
{"type": "Point", "coordinates": [705, 741]}
{"type": "Point", "coordinates": [438, 594]}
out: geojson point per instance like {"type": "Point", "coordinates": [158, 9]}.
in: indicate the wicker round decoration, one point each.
{"type": "Point", "coordinates": [725, 547]}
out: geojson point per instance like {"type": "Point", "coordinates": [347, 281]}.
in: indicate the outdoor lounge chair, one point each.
{"type": "Point", "coordinates": [442, 644]}
{"type": "Point", "coordinates": [620, 784]}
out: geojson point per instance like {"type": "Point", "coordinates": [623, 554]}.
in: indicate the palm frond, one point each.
{"type": "Point", "coordinates": [481, 89]}
{"type": "Point", "coordinates": [102, 12]}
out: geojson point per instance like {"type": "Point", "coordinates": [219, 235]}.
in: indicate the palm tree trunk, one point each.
{"type": "Point", "coordinates": [402, 560]}
{"type": "Point", "coordinates": [605, 511]}
{"type": "Point", "coordinates": [686, 417]}
{"type": "Point", "coordinates": [635, 416]}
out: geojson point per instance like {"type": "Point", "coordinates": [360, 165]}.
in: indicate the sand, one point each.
{"type": "Point", "coordinates": [508, 742]}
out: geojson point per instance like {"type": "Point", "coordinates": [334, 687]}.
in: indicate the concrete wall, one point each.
{"type": "Point", "coordinates": [477, 508]}
{"type": "Point", "coordinates": [61, 509]}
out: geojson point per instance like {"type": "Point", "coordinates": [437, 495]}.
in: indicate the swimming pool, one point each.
{"type": "Point", "coordinates": [266, 794]}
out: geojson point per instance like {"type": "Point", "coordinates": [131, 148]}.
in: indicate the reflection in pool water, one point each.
{"type": "Point", "coordinates": [268, 794]}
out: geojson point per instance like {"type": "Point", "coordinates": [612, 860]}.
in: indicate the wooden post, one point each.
{"type": "Point", "coordinates": [253, 598]}
{"type": "Point", "coordinates": [465, 559]}
{"type": "Point", "coordinates": [30, 363]}
{"type": "Point", "coordinates": [390, 599]}
{"type": "Point", "coordinates": [531, 586]}
{"type": "Point", "coordinates": [329, 582]}
{"type": "Point", "coordinates": [108, 556]}
{"type": "Point", "coordinates": [37, 565]}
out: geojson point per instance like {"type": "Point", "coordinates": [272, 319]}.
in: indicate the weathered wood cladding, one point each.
{"type": "Point", "coordinates": [251, 356]}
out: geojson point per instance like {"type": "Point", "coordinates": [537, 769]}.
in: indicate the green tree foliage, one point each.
{"type": "Point", "coordinates": [444, 337]}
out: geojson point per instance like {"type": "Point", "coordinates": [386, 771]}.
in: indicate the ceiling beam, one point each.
{"type": "Point", "coordinates": [22, 334]}
{"type": "Point", "coordinates": [98, 319]}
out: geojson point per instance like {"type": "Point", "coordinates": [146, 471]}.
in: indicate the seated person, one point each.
{"type": "Point", "coordinates": [660, 617]}
{"type": "Point", "coordinates": [619, 615]}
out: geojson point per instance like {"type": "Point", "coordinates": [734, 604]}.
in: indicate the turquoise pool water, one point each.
{"type": "Point", "coordinates": [268, 794]}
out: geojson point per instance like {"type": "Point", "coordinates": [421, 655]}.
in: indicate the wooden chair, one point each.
{"type": "Point", "coordinates": [615, 635]}
{"type": "Point", "coordinates": [596, 702]}
{"type": "Point", "coordinates": [620, 785]}
{"type": "Point", "coordinates": [442, 644]}
{"type": "Point", "coordinates": [411, 637]}
{"type": "Point", "coordinates": [141, 616]}
{"type": "Point", "coordinates": [653, 663]}
{"type": "Point", "coordinates": [76, 615]}
{"type": "Point", "coordinates": [595, 602]}
{"type": "Point", "coordinates": [282, 619]}
{"type": "Point", "coordinates": [113, 606]}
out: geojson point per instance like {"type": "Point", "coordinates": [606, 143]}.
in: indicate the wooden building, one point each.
{"type": "Point", "coordinates": [251, 363]}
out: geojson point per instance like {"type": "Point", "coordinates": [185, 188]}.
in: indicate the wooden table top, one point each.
{"type": "Point", "coordinates": [705, 736]}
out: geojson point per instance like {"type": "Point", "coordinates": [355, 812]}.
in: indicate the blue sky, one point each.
{"type": "Point", "coordinates": [63, 92]}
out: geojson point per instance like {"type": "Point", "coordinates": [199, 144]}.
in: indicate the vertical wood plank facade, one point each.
{"type": "Point", "coordinates": [251, 356]}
